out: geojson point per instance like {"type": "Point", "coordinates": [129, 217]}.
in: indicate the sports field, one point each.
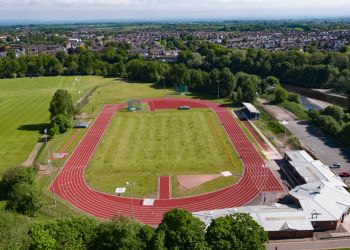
{"type": "Point", "coordinates": [140, 146]}
{"type": "Point", "coordinates": [24, 112]}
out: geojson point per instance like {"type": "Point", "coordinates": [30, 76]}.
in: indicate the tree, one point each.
{"type": "Point", "coordinates": [24, 199]}
{"type": "Point", "coordinates": [248, 91]}
{"type": "Point", "coordinates": [227, 82]}
{"type": "Point", "coordinates": [66, 233]}
{"type": "Point", "coordinates": [238, 231]}
{"type": "Point", "coordinates": [335, 111]}
{"type": "Point", "coordinates": [60, 124]}
{"type": "Point", "coordinates": [280, 95]}
{"type": "Point", "coordinates": [40, 238]}
{"type": "Point", "coordinates": [182, 231]}
{"type": "Point", "coordinates": [14, 231]}
{"type": "Point", "coordinates": [122, 233]}
{"type": "Point", "coordinates": [16, 175]}
{"type": "Point", "coordinates": [344, 135]}
{"type": "Point", "coordinates": [61, 104]}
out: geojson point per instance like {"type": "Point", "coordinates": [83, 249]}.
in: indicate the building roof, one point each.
{"type": "Point", "coordinates": [276, 217]}
{"type": "Point", "coordinates": [316, 171]}
{"type": "Point", "coordinates": [322, 200]}
{"type": "Point", "coordinates": [299, 156]}
{"type": "Point", "coordinates": [250, 107]}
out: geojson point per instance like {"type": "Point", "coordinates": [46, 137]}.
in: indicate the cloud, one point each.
{"type": "Point", "coordinates": [61, 9]}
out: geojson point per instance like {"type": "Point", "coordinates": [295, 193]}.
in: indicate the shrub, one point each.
{"type": "Point", "coordinates": [280, 95]}
{"type": "Point", "coordinates": [293, 97]}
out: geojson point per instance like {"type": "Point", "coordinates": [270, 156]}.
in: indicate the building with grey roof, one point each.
{"type": "Point", "coordinates": [279, 221]}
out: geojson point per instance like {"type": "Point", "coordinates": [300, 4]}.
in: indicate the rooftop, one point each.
{"type": "Point", "coordinates": [250, 107]}
{"type": "Point", "coordinates": [275, 217]}
{"type": "Point", "coordinates": [299, 156]}
{"type": "Point", "coordinates": [322, 200]}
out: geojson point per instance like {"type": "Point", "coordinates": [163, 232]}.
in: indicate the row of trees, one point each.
{"type": "Point", "coordinates": [239, 87]}
{"type": "Point", "coordinates": [314, 69]}
{"type": "Point", "coordinates": [178, 230]}
{"type": "Point", "coordinates": [333, 121]}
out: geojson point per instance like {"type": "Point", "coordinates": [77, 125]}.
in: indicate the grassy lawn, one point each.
{"type": "Point", "coordinates": [141, 146]}
{"type": "Point", "coordinates": [24, 112]}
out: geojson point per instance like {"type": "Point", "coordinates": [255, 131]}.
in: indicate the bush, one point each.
{"type": "Point", "coordinates": [335, 111]}
{"type": "Point", "coordinates": [295, 108]}
{"type": "Point", "coordinates": [275, 127]}
{"type": "Point", "coordinates": [293, 97]}
{"type": "Point", "coordinates": [328, 124]}
{"type": "Point", "coordinates": [313, 113]}
{"type": "Point", "coordinates": [280, 95]}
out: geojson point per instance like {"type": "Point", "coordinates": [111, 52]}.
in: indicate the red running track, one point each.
{"type": "Point", "coordinates": [164, 188]}
{"type": "Point", "coordinates": [70, 183]}
{"type": "Point", "coordinates": [256, 136]}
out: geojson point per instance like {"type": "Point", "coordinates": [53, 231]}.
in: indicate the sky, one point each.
{"type": "Point", "coordinates": [170, 9]}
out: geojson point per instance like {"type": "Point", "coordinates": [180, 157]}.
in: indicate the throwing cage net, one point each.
{"type": "Point", "coordinates": [181, 88]}
{"type": "Point", "coordinates": [134, 105]}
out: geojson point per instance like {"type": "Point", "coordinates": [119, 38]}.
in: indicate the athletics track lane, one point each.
{"type": "Point", "coordinates": [70, 184]}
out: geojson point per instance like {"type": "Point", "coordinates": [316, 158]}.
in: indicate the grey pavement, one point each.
{"type": "Point", "coordinates": [309, 244]}
{"type": "Point", "coordinates": [324, 147]}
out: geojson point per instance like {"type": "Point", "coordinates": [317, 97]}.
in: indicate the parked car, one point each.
{"type": "Point", "coordinates": [344, 174]}
{"type": "Point", "coordinates": [335, 165]}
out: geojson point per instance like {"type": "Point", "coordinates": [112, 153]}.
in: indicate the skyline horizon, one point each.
{"type": "Point", "coordinates": [166, 20]}
{"type": "Point", "coordinates": [165, 10]}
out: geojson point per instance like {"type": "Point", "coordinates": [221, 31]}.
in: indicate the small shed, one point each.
{"type": "Point", "coordinates": [250, 111]}
{"type": "Point", "coordinates": [81, 125]}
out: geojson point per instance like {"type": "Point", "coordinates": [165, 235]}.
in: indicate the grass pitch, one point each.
{"type": "Point", "coordinates": [140, 146]}
{"type": "Point", "coordinates": [24, 104]}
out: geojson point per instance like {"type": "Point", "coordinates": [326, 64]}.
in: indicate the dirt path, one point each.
{"type": "Point", "coordinates": [30, 160]}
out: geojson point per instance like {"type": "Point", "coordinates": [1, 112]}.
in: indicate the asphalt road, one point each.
{"type": "Point", "coordinates": [324, 147]}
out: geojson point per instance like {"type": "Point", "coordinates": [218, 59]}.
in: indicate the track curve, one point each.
{"type": "Point", "coordinates": [70, 183]}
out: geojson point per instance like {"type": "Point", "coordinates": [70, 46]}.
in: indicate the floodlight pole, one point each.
{"type": "Point", "coordinates": [265, 168]}
{"type": "Point", "coordinates": [218, 81]}
{"type": "Point", "coordinates": [131, 185]}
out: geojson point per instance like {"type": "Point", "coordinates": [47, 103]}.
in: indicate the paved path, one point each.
{"type": "Point", "coordinates": [309, 244]}
{"type": "Point", "coordinates": [30, 160]}
{"type": "Point", "coordinates": [324, 147]}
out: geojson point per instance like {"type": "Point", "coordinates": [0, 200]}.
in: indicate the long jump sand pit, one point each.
{"type": "Point", "coordinates": [191, 181]}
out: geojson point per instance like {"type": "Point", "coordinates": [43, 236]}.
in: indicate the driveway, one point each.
{"type": "Point", "coordinates": [324, 147]}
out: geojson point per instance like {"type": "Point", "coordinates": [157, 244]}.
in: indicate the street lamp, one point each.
{"type": "Point", "coordinates": [163, 77]}
{"type": "Point", "coordinates": [49, 165]}
{"type": "Point", "coordinates": [284, 123]}
{"type": "Point", "coordinates": [265, 174]}
{"type": "Point", "coordinates": [218, 82]}
{"type": "Point", "coordinates": [131, 185]}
